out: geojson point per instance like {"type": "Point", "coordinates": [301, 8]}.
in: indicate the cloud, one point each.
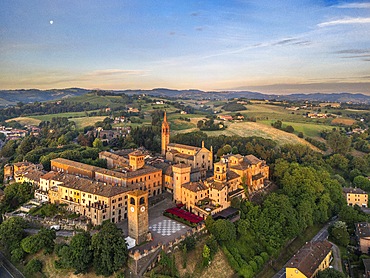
{"type": "Point", "coordinates": [345, 21]}
{"type": "Point", "coordinates": [363, 54]}
{"type": "Point", "coordinates": [199, 28]}
{"type": "Point", "coordinates": [194, 14]}
{"type": "Point", "coordinates": [354, 6]}
{"type": "Point", "coordinates": [353, 51]}
{"type": "Point", "coordinates": [291, 41]}
{"type": "Point", "coordinates": [108, 72]}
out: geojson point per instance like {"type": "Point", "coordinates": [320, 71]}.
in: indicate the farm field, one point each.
{"type": "Point", "coordinates": [25, 121]}
{"type": "Point", "coordinates": [86, 121]}
{"type": "Point", "coordinates": [246, 129]}
{"type": "Point", "coordinates": [48, 117]}
{"type": "Point", "coordinates": [308, 129]}
{"type": "Point", "coordinates": [81, 122]}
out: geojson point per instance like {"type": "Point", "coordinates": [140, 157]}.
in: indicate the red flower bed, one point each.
{"type": "Point", "coordinates": [191, 217]}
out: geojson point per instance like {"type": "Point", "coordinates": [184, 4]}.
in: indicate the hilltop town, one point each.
{"type": "Point", "coordinates": [189, 201]}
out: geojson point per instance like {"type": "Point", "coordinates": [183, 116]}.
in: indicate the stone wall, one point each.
{"type": "Point", "coordinates": [65, 224]}
{"type": "Point", "coordinates": [154, 250]}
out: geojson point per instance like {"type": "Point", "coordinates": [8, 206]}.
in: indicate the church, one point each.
{"type": "Point", "coordinates": [233, 176]}
{"type": "Point", "coordinates": [200, 159]}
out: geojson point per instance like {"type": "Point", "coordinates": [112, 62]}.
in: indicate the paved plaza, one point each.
{"type": "Point", "coordinates": [163, 229]}
{"type": "Point", "coordinates": [166, 227]}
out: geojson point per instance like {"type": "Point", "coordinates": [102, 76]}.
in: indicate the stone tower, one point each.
{"type": "Point", "coordinates": [138, 225]}
{"type": "Point", "coordinates": [181, 175]}
{"type": "Point", "coordinates": [136, 160]}
{"type": "Point", "coordinates": [220, 171]}
{"type": "Point", "coordinates": [165, 134]}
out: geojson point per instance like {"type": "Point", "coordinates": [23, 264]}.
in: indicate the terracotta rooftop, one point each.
{"type": "Point", "coordinates": [175, 145]}
{"type": "Point", "coordinates": [194, 186]}
{"type": "Point", "coordinates": [138, 193]}
{"type": "Point", "coordinates": [181, 165]}
{"type": "Point", "coordinates": [136, 153]}
{"type": "Point", "coordinates": [362, 229]}
{"type": "Point", "coordinates": [112, 155]}
{"type": "Point", "coordinates": [50, 175]}
{"type": "Point", "coordinates": [75, 164]}
{"type": "Point", "coordinates": [252, 159]}
{"type": "Point", "coordinates": [309, 257]}
{"type": "Point", "coordinates": [90, 186]}
{"type": "Point", "coordinates": [353, 190]}
{"type": "Point", "coordinates": [34, 175]}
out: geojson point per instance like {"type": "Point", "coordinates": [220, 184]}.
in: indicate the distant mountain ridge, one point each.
{"type": "Point", "coordinates": [12, 97]}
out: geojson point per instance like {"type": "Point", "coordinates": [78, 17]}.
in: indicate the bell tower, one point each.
{"type": "Point", "coordinates": [138, 225]}
{"type": "Point", "coordinates": [165, 134]}
{"type": "Point", "coordinates": [220, 171]}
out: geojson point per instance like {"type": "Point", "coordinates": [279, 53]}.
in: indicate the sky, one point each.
{"type": "Point", "coordinates": [270, 46]}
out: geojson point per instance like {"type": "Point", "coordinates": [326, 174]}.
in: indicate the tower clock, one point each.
{"type": "Point", "coordinates": [138, 225]}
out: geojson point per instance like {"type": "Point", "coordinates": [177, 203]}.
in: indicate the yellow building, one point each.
{"type": "Point", "coordinates": [253, 171]}
{"type": "Point", "coordinates": [355, 196]}
{"type": "Point", "coordinates": [209, 196]}
{"type": "Point", "coordinates": [149, 177]}
{"type": "Point", "coordinates": [309, 260]}
{"type": "Point", "coordinates": [97, 201]}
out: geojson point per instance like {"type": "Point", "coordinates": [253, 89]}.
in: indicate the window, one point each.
{"type": "Point", "coordinates": [132, 201]}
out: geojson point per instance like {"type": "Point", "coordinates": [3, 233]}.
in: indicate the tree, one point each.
{"type": "Point", "coordinates": [44, 239]}
{"type": "Point", "coordinates": [289, 129]}
{"type": "Point", "coordinates": [227, 149]}
{"type": "Point", "coordinates": [206, 255]}
{"type": "Point", "coordinates": [338, 231]}
{"type": "Point", "coordinates": [12, 232]}
{"type": "Point", "coordinates": [33, 266]}
{"type": "Point", "coordinates": [224, 230]}
{"type": "Point", "coordinates": [16, 194]}
{"type": "Point", "coordinates": [98, 144]}
{"type": "Point", "coordinates": [339, 143]}
{"type": "Point", "coordinates": [278, 124]}
{"type": "Point", "coordinates": [8, 149]}
{"type": "Point", "coordinates": [330, 273]}
{"type": "Point", "coordinates": [109, 249]}
{"type": "Point", "coordinates": [362, 182]}
{"type": "Point", "coordinates": [81, 253]}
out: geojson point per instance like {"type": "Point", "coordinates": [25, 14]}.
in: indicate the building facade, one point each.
{"type": "Point", "coordinates": [355, 196]}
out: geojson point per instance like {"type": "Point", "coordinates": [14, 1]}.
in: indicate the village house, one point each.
{"type": "Point", "coordinates": [309, 260]}
{"type": "Point", "coordinates": [355, 196]}
{"type": "Point", "coordinates": [363, 236]}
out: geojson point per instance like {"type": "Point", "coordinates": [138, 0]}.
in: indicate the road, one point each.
{"type": "Point", "coordinates": [8, 269]}
{"type": "Point", "coordinates": [61, 233]}
{"type": "Point", "coordinates": [337, 262]}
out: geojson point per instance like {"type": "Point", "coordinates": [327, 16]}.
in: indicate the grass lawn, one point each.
{"type": "Point", "coordinates": [48, 117]}
{"type": "Point", "coordinates": [180, 125]}
{"type": "Point", "coordinates": [86, 121]}
{"type": "Point", "coordinates": [288, 251]}
{"type": "Point", "coordinates": [308, 129]}
{"type": "Point", "coordinates": [219, 267]}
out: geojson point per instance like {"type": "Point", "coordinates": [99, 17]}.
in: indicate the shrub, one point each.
{"type": "Point", "coordinates": [33, 266]}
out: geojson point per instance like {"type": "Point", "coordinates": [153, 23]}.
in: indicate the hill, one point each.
{"type": "Point", "coordinates": [12, 97]}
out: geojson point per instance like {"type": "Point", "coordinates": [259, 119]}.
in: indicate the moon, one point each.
{"type": "Point", "coordinates": [51, 22]}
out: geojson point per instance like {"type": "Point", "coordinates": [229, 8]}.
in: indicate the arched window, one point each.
{"type": "Point", "coordinates": [142, 201]}
{"type": "Point", "coordinates": [132, 201]}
